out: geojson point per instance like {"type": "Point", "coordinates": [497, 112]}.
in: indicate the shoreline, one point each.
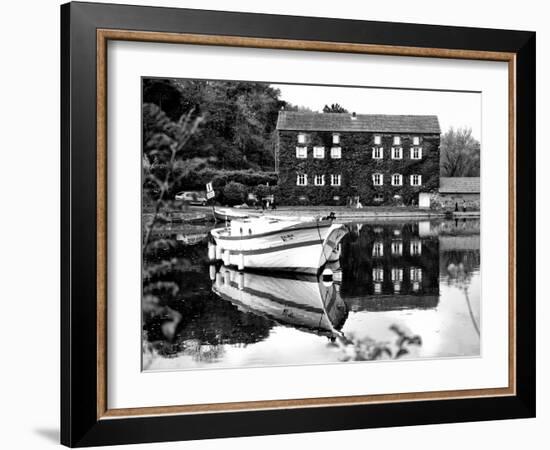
{"type": "Point", "coordinates": [205, 214]}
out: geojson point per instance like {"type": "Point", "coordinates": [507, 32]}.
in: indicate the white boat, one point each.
{"type": "Point", "coordinates": [273, 244]}
{"type": "Point", "coordinates": [227, 214]}
{"type": "Point", "coordinates": [304, 302]}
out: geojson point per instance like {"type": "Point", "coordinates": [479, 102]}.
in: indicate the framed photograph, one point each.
{"type": "Point", "coordinates": [276, 224]}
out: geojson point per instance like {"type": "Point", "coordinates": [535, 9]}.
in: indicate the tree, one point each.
{"type": "Point", "coordinates": [239, 118]}
{"type": "Point", "coordinates": [165, 94]}
{"type": "Point", "coordinates": [460, 153]}
{"type": "Point", "coordinates": [296, 108]}
{"type": "Point", "coordinates": [334, 108]}
{"type": "Point", "coordinates": [166, 155]}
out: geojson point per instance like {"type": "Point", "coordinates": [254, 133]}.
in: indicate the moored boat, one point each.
{"type": "Point", "coordinates": [273, 244]}
{"type": "Point", "coordinates": [227, 214]}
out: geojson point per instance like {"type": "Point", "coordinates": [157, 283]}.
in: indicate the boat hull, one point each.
{"type": "Point", "coordinates": [303, 249]}
{"type": "Point", "coordinates": [223, 214]}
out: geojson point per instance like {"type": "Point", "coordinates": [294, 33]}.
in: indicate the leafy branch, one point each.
{"type": "Point", "coordinates": [161, 162]}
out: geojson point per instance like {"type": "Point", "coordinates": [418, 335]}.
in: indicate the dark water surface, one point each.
{"type": "Point", "coordinates": [401, 290]}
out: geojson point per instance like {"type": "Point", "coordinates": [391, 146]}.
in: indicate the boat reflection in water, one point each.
{"type": "Point", "coordinates": [304, 302]}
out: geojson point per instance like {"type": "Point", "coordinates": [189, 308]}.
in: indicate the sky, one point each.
{"type": "Point", "coordinates": [456, 109]}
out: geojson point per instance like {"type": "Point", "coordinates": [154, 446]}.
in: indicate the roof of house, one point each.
{"type": "Point", "coordinates": [459, 185]}
{"type": "Point", "coordinates": [383, 123]}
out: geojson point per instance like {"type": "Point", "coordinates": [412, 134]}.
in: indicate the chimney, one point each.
{"type": "Point", "coordinates": [353, 116]}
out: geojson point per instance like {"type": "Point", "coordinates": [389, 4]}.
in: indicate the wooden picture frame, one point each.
{"type": "Point", "coordinates": [85, 418]}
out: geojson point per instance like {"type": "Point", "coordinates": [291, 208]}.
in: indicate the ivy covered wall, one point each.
{"type": "Point", "coordinates": [356, 167]}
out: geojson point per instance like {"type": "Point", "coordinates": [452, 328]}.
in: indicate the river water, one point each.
{"type": "Point", "coordinates": [401, 290]}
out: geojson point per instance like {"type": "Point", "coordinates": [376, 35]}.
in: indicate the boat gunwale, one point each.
{"type": "Point", "coordinates": [300, 226]}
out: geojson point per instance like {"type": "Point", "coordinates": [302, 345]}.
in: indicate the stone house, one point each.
{"type": "Point", "coordinates": [330, 158]}
{"type": "Point", "coordinates": [459, 193]}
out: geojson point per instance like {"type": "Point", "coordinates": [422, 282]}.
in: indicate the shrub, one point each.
{"type": "Point", "coordinates": [219, 178]}
{"type": "Point", "coordinates": [262, 190]}
{"type": "Point", "coordinates": [234, 193]}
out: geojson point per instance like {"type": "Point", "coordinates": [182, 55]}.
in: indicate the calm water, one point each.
{"type": "Point", "coordinates": [401, 290]}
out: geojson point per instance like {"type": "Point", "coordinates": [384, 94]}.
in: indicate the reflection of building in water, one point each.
{"type": "Point", "coordinates": [397, 248]}
{"type": "Point", "coordinates": [303, 302]}
{"type": "Point", "coordinates": [390, 266]}
{"type": "Point", "coordinates": [416, 248]}
{"type": "Point", "coordinates": [459, 245]}
{"type": "Point", "coordinates": [459, 258]}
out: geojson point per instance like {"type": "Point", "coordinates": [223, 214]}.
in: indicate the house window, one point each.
{"type": "Point", "coordinates": [301, 152]}
{"type": "Point", "coordinates": [396, 274]}
{"type": "Point", "coordinates": [335, 179]}
{"type": "Point", "coordinates": [416, 274]}
{"type": "Point", "coordinates": [336, 152]}
{"type": "Point", "coordinates": [397, 153]}
{"type": "Point", "coordinates": [397, 140]}
{"type": "Point", "coordinates": [378, 274]}
{"type": "Point", "coordinates": [319, 180]}
{"type": "Point", "coordinates": [377, 179]}
{"type": "Point", "coordinates": [377, 152]}
{"type": "Point", "coordinates": [397, 248]}
{"type": "Point", "coordinates": [397, 180]}
{"type": "Point", "coordinates": [377, 288]}
{"type": "Point", "coordinates": [416, 153]}
{"type": "Point", "coordinates": [378, 198]}
{"type": "Point", "coordinates": [416, 248]}
{"type": "Point", "coordinates": [335, 138]}
{"type": "Point", "coordinates": [378, 250]}
{"type": "Point", "coordinates": [416, 180]}
{"type": "Point", "coordinates": [416, 140]}
{"type": "Point", "coordinates": [301, 179]}
{"type": "Point", "coordinates": [319, 152]}
{"type": "Point", "coordinates": [301, 138]}
{"type": "Point", "coordinates": [377, 140]}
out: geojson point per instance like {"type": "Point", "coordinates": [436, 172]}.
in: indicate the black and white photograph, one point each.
{"type": "Point", "coordinates": [292, 224]}
{"type": "Point", "coordinates": [285, 224]}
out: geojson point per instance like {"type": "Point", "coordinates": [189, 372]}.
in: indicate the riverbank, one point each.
{"type": "Point", "coordinates": [198, 214]}
{"type": "Point", "coordinates": [350, 214]}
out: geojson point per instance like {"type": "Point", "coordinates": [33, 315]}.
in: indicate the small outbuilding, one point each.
{"type": "Point", "coordinates": [459, 193]}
